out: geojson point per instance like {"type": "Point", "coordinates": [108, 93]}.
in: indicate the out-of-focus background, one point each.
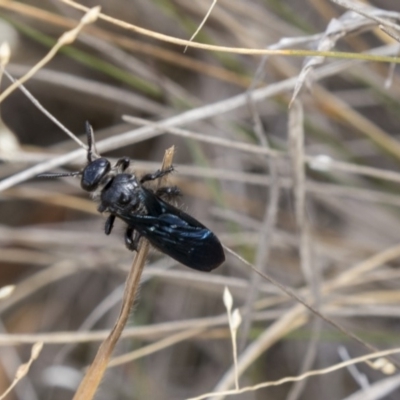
{"type": "Point", "coordinates": [307, 194]}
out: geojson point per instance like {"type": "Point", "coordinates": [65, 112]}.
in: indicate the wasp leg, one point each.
{"type": "Point", "coordinates": [131, 239]}
{"type": "Point", "coordinates": [168, 192]}
{"type": "Point", "coordinates": [156, 175]}
{"type": "Point", "coordinates": [109, 224]}
{"type": "Point", "coordinates": [123, 163]}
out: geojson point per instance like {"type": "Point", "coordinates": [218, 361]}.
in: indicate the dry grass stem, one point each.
{"type": "Point", "coordinates": [24, 368]}
{"type": "Point", "coordinates": [88, 387]}
{"type": "Point", "coordinates": [336, 367]}
{"type": "Point", "coordinates": [234, 50]}
{"type": "Point", "coordinates": [67, 38]}
{"type": "Point", "coordinates": [202, 23]}
{"type": "Point", "coordinates": [43, 109]}
{"type": "Point", "coordinates": [296, 145]}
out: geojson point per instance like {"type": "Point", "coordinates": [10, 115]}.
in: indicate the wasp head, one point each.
{"type": "Point", "coordinates": [95, 170]}
{"type": "Point", "coordinates": [94, 173]}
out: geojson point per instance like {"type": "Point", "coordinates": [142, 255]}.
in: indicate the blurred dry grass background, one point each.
{"type": "Point", "coordinates": [309, 195]}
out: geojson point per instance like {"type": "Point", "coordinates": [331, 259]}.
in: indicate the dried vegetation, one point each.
{"type": "Point", "coordinates": [284, 116]}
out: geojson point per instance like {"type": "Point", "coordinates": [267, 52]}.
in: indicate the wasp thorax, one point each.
{"type": "Point", "coordinates": [121, 191]}
{"type": "Point", "coordinates": [93, 173]}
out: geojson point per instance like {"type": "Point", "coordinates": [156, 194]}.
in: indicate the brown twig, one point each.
{"type": "Point", "coordinates": [94, 375]}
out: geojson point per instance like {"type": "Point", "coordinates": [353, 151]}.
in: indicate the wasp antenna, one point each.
{"type": "Point", "coordinates": [91, 143]}
{"type": "Point", "coordinates": [59, 175]}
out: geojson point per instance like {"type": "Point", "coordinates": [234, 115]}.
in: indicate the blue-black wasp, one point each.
{"type": "Point", "coordinates": [120, 193]}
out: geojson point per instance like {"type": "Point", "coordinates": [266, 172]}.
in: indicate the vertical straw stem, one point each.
{"type": "Point", "coordinates": [95, 373]}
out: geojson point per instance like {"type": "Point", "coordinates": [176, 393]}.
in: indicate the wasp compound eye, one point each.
{"type": "Point", "coordinates": [93, 173]}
